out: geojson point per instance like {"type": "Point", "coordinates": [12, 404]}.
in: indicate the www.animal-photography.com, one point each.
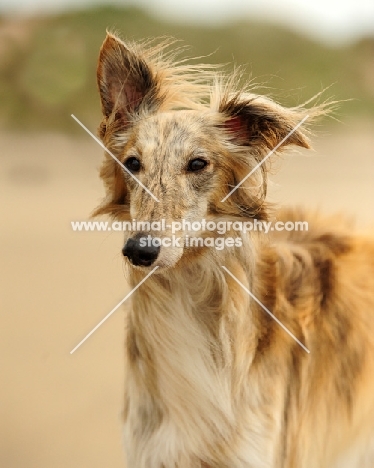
{"type": "Point", "coordinates": [187, 234]}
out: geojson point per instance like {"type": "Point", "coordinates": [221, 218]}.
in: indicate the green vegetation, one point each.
{"type": "Point", "coordinates": [50, 73]}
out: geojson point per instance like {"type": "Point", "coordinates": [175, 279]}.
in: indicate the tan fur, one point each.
{"type": "Point", "coordinates": [212, 381]}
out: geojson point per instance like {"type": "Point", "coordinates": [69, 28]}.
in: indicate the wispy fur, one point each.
{"type": "Point", "coordinates": [211, 380]}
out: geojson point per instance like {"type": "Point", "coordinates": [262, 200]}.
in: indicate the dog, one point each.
{"type": "Point", "coordinates": [213, 380]}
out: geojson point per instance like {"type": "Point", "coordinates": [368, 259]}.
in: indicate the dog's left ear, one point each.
{"type": "Point", "coordinates": [252, 120]}
{"type": "Point", "coordinates": [253, 126]}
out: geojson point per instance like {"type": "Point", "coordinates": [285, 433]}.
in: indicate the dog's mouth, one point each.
{"type": "Point", "coordinates": [159, 265]}
{"type": "Point", "coordinates": [142, 252]}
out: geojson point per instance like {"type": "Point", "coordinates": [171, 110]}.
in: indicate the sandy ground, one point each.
{"type": "Point", "coordinates": [60, 410]}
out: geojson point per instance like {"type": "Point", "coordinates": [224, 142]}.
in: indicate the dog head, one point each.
{"type": "Point", "coordinates": [182, 138]}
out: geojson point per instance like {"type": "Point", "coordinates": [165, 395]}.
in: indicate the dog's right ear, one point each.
{"type": "Point", "coordinates": [126, 81]}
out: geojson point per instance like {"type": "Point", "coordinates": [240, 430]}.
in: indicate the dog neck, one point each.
{"type": "Point", "coordinates": [187, 332]}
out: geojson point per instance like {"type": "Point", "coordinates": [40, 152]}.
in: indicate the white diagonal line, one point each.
{"type": "Point", "coordinates": [265, 158]}
{"type": "Point", "coordinates": [113, 310]}
{"type": "Point", "coordinates": [265, 309]}
{"type": "Point", "coordinates": [116, 159]}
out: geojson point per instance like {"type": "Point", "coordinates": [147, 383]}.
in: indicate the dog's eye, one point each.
{"type": "Point", "coordinates": [133, 164]}
{"type": "Point", "coordinates": [196, 165]}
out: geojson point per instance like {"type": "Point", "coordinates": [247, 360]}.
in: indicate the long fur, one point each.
{"type": "Point", "coordinates": [212, 381]}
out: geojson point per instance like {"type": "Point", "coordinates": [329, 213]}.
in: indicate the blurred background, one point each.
{"type": "Point", "coordinates": [60, 410]}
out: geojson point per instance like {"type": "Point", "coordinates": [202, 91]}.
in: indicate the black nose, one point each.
{"type": "Point", "coordinates": [140, 250]}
